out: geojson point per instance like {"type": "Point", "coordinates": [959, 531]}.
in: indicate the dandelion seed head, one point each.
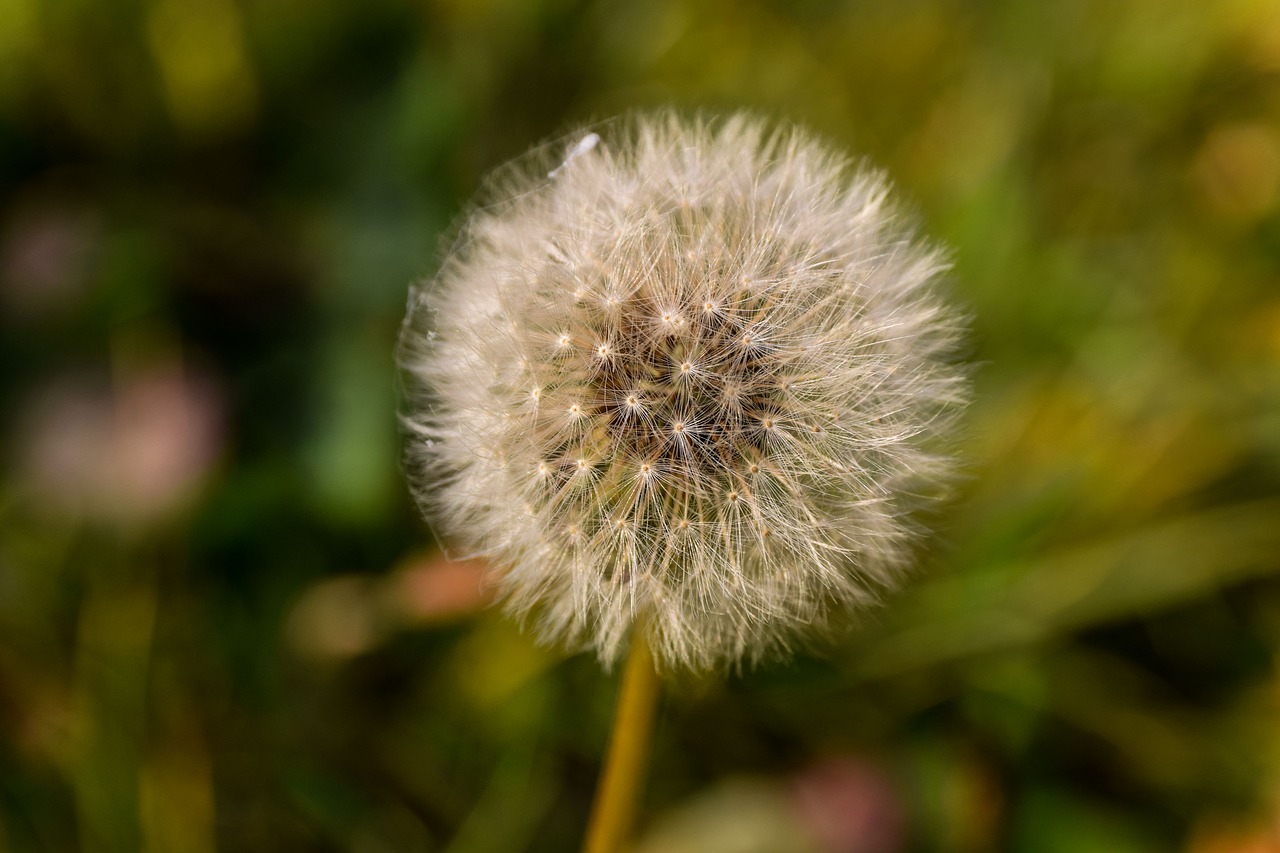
{"type": "Point", "coordinates": [723, 357]}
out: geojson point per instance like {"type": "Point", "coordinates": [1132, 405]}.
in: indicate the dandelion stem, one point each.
{"type": "Point", "coordinates": [620, 784]}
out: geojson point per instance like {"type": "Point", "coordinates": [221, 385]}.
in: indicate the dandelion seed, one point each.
{"type": "Point", "coordinates": [591, 140]}
{"type": "Point", "coordinates": [742, 371]}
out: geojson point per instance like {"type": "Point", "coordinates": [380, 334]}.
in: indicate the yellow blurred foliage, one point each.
{"type": "Point", "coordinates": [199, 46]}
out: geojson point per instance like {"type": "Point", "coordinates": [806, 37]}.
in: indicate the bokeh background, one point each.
{"type": "Point", "coordinates": [224, 628]}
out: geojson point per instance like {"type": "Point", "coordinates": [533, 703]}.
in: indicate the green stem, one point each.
{"type": "Point", "coordinates": [615, 804]}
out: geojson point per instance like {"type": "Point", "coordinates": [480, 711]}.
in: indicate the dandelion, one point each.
{"type": "Point", "coordinates": [688, 382]}
{"type": "Point", "coordinates": [683, 391]}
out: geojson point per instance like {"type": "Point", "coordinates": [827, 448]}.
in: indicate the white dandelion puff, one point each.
{"type": "Point", "coordinates": [692, 379]}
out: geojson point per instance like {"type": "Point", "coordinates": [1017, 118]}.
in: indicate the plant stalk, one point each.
{"type": "Point", "coordinates": [616, 798]}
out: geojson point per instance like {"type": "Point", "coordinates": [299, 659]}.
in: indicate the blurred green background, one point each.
{"type": "Point", "coordinates": [223, 626]}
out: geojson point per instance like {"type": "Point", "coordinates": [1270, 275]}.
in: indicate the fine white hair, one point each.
{"type": "Point", "coordinates": [690, 381]}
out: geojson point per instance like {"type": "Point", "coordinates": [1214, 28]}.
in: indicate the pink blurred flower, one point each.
{"type": "Point", "coordinates": [129, 453]}
{"type": "Point", "coordinates": [434, 589]}
{"type": "Point", "coordinates": [46, 247]}
{"type": "Point", "coordinates": [851, 806]}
